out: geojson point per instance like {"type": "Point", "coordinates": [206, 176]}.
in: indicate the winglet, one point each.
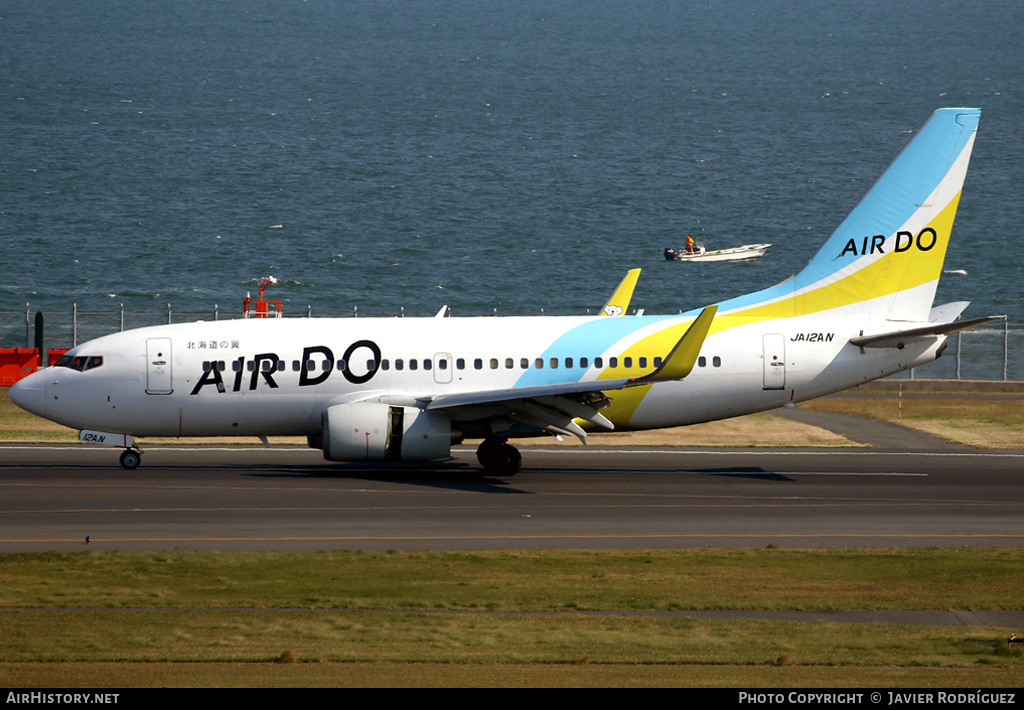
{"type": "Point", "coordinates": [683, 357]}
{"type": "Point", "coordinates": [619, 301]}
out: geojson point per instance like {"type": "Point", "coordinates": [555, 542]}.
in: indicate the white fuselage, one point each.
{"type": "Point", "coordinates": [269, 377]}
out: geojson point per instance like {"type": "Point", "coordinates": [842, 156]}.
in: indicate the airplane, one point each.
{"type": "Point", "coordinates": [406, 389]}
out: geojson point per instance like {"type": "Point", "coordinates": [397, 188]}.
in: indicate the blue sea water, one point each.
{"type": "Point", "coordinates": [397, 156]}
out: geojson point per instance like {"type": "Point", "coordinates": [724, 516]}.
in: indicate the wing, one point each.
{"type": "Point", "coordinates": [555, 407]}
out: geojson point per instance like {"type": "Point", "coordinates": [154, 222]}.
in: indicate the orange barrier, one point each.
{"type": "Point", "coordinates": [16, 363]}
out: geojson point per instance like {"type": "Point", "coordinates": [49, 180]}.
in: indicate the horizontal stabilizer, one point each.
{"type": "Point", "coordinates": [948, 312]}
{"type": "Point", "coordinates": [900, 338]}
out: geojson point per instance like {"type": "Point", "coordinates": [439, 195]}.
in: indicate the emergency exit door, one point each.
{"type": "Point", "coordinates": [443, 368]}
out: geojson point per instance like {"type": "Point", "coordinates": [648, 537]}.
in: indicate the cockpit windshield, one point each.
{"type": "Point", "coordinates": [80, 362]}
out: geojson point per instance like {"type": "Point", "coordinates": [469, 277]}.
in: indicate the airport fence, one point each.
{"type": "Point", "coordinates": [991, 352]}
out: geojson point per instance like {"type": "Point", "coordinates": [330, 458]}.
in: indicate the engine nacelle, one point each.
{"type": "Point", "coordinates": [370, 431]}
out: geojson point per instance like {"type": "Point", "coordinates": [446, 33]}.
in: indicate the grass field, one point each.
{"type": "Point", "coordinates": [503, 618]}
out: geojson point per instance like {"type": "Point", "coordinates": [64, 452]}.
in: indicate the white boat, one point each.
{"type": "Point", "coordinates": [699, 252]}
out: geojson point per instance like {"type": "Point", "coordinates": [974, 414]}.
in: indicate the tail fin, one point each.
{"type": "Point", "coordinates": [886, 257]}
{"type": "Point", "coordinates": [888, 252]}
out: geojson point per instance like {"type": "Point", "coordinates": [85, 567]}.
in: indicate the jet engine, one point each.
{"type": "Point", "coordinates": [372, 431]}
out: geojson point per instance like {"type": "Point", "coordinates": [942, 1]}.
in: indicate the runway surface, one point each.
{"type": "Point", "coordinates": [289, 498]}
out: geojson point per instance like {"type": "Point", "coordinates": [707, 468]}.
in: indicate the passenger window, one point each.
{"type": "Point", "coordinates": [385, 364]}
{"type": "Point", "coordinates": [442, 364]}
{"type": "Point", "coordinates": [460, 364]}
{"type": "Point", "coordinates": [657, 361]}
{"type": "Point", "coordinates": [427, 363]}
{"type": "Point", "coordinates": [554, 363]}
{"type": "Point", "coordinates": [478, 364]}
{"type": "Point", "coordinates": [716, 361]}
{"type": "Point", "coordinates": [524, 363]}
{"type": "Point", "coordinates": [399, 363]}
{"type": "Point", "coordinates": [568, 363]}
{"type": "Point", "coordinates": [598, 362]}
{"type": "Point", "coordinates": [509, 363]}
{"type": "Point", "coordinates": [643, 362]}
{"type": "Point", "coordinates": [627, 362]}
{"type": "Point", "coordinates": [584, 362]}
{"type": "Point", "coordinates": [613, 362]}
{"type": "Point", "coordinates": [414, 364]}
{"type": "Point", "coordinates": [494, 363]}
{"type": "Point", "coordinates": [539, 363]}
{"type": "Point", "coordinates": [702, 361]}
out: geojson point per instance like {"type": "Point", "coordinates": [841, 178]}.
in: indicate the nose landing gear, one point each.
{"type": "Point", "coordinates": [131, 458]}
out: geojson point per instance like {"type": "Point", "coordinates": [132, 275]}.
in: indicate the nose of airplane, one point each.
{"type": "Point", "coordinates": [30, 393]}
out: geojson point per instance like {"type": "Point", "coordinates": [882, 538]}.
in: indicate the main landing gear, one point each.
{"type": "Point", "coordinates": [499, 457]}
{"type": "Point", "coordinates": [131, 458]}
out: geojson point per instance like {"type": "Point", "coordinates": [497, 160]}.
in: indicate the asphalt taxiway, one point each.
{"type": "Point", "coordinates": [289, 498]}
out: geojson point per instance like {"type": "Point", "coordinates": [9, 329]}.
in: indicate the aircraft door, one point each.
{"type": "Point", "coordinates": [774, 361]}
{"type": "Point", "coordinates": [443, 368]}
{"type": "Point", "coordinates": [158, 366]}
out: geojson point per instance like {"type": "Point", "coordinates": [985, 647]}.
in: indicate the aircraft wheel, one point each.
{"type": "Point", "coordinates": [499, 457]}
{"type": "Point", "coordinates": [131, 459]}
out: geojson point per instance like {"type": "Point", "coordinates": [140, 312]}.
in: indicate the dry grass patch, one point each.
{"type": "Point", "coordinates": [982, 422]}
